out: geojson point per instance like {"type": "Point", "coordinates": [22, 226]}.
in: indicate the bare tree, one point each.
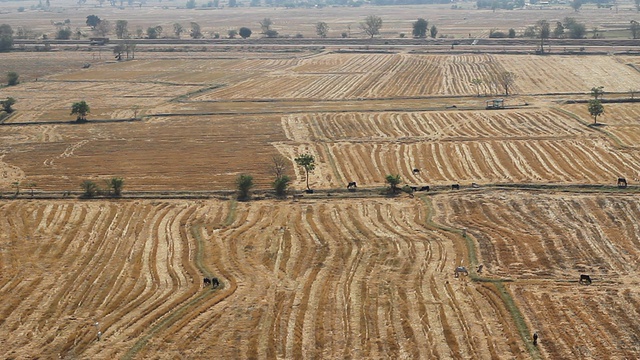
{"type": "Point", "coordinates": [371, 25]}
{"type": "Point", "coordinates": [506, 80]}
{"type": "Point", "coordinates": [279, 165]}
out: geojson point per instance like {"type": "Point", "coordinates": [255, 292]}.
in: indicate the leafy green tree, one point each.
{"type": "Point", "coordinates": [6, 37]}
{"type": "Point", "coordinates": [7, 105]}
{"type": "Point", "coordinates": [244, 183]}
{"type": "Point", "coordinates": [393, 181]}
{"type": "Point", "coordinates": [308, 162]}
{"type": "Point", "coordinates": [64, 33]}
{"type": "Point", "coordinates": [576, 30]}
{"type": "Point", "coordinates": [81, 109]}
{"type": "Point", "coordinates": [280, 185]}
{"type": "Point", "coordinates": [595, 109]}
{"type": "Point", "coordinates": [89, 188]}
{"type": "Point", "coordinates": [152, 33]}
{"type": "Point", "coordinates": [116, 184]}
{"type": "Point", "coordinates": [433, 31]}
{"type": "Point", "coordinates": [12, 78]}
{"type": "Point", "coordinates": [512, 33]}
{"type": "Point", "coordinates": [420, 27]}
{"type": "Point", "coordinates": [597, 92]}
{"type": "Point", "coordinates": [244, 32]}
{"type": "Point", "coordinates": [544, 30]}
{"type": "Point", "coordinates": [122, 30]}
{"type": "Point", "coordinates": [103, 28]}
{"type": "Point", "coordinates": [93, 21]}
{"type": "Point", "coordinates": [371, 25]}
{"type": "Point", "coordinates": [322, 29]}
{"type": "Point", "coordinates": [232, 33]}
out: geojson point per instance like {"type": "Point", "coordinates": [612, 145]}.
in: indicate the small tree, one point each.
{"type": "Point", "coordinates": [420, 27]}
{"type": "Point", "coordinates": [371, 25]}
{"type": "Point", "coordinates": [103, 28]}
{"type": "Point", "coordinates": [7, 105]}
{"type": "Point", "coordinates": [635, 29]}
{"type": "Point", "coordinates": [477, 83]}
{"type": "Point", "coordinates": [279, 165]}
{"type": "Point", "coordinates": [16, 185]}
{"type": "Point", "coordinates": [116, 184]}
{"type": "Point", "coordinates": [177, 29]}
{"type": "Point", "coordinates": [308, 162]}
{"type": "Point", "coordinates": [6, 37]}
{"type": "Point", "coordinates": [244, 32]}
{"type": "Point", "coordinates": [322, 29]}
{"type": "Point", "coordinates": [191, 4]}
{"type": "Point", "coordinates": [576, 5]}
{"type": "Point", "coordinates": [506, 80]}
{"type": "Point", "coordinates": [597, 92]}
{"type": "Point", "coordinates": [265, 25]}
{"type": "Point", "coordinates": [558, 32]}
{"type": "Point", "coordinates": [544, 30]}
{"type": "Point", "coordinates": [393, 181]}
{"type": "Point", "coordinates": [93, 21]}
{"type": "Point", "coordinates": [64, 33]}
{"type": "Point", "coordinates": [89, 188]}
{"type": "Point", "coordinates": [196, 33]}
{"type": "Point", "coordinates": [595, 109]}
{"type": "Point", "coordinates": [152, 33]}
{"type": "Point", "coordinates": [280, 185]}
{"type": "Point", "coordinates": [12, 78]}
{"type": "Point", "coordinates": [81, 109]}
{"type": "Point", "coordinates": [433, 31]}
{"type": "Point", "coordinates": [512, 33]}
{"type": "Point", "coordinates": [31, 186]}
{"type": "Point", "coordinates": [121, 29]}
{"type": "Point", "coordinates": [232, 33]}
{"type": "Point", "coordinates": [244, 183]}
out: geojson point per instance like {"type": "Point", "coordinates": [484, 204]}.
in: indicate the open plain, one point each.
{"type": "Point", "coordinates": [334, 274]}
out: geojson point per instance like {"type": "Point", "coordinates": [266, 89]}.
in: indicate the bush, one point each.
{"type": "Point", "coordinates": [244, 32]}
{"type": "Point", "coordinates": [245, 183]}
{"type": "Point", "coordinates": [12, 78]}
{"type": "Point", "coordinates": [280, 185]}
{"type": "Point", "coordinates": [271, 33]}
{"type": "Point", "coordinates": [90, 189]}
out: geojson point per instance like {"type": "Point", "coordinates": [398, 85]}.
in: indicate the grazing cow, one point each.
{"type": "Point", "coordinates": [480, 269]}
{"type": "Point", "coordinates": [414, 188]}
{"type": "Point", "coordinates": [215, 282]}
{"type": "Point", "coordinates": [585, 279]}
{"type": "Point", "coordinates": [535, 339]}
{"type": "Point", "coordinates": [416, 170]}
{"type": "Point", "coordinates": [206, 282]}
{"type": "Point", "coordinates": [424, 188]}
{"type": "Point", "coordinates": [352, 185]}
{"type": "Point", "coordinates": [309, 191]}
{"type": "Point", "coordinates": [460, 270]}
{"type": "Point", "coordinates": [455, 187]}
{"type": "Point", "coordinates": [622, 182]}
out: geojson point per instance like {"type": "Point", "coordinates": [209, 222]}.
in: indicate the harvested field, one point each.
{"type": "Point", "coordinates": [163, 154]}
{"type": "Point", "coordinates": [544, 242]}
{"type": "Point", "coordinates": [621, 121]}
{"type": "Point", "coordinates": [309, 279]}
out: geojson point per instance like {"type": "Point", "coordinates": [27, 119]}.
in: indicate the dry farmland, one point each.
{"type": "Point", "coordinates": [334, 274]}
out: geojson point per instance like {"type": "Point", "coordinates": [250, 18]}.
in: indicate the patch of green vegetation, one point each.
{"type": "Point", "coordinates": [231, 216]}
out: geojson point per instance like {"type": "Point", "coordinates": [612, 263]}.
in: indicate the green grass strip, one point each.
{"type": "Point", "coordinates": [506, 297]}
{"type": "Point", "coordinates": [231, 216]}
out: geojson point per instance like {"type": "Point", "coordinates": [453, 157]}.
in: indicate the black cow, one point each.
{"type": "Point", "coordinates": [455, 187]}
{"type": "Point", "coordinates": [424, 188]}
{"type": "Point", "coordinates": [352, 185]}
{"type": "Point", "coordinates": [215, 282]}
{"type": "Point", "coordinates": [416, 170]}
{"type": "Point", "coordinates": [622, 182]}
{"type": "Point", "coordinates": [206, 282]}
{"type": "Point", "coordinates": [585, 279]}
